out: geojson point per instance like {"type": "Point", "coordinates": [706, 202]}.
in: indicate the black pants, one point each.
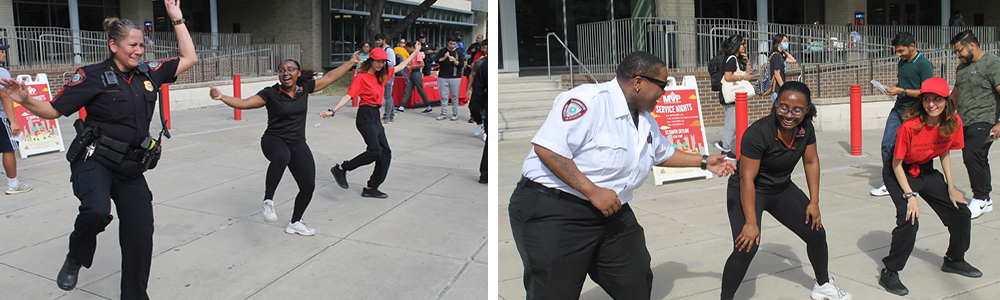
{"type": "Point", "coordinates": [975, 153]}
{"type": "Point", "coordinates": [96, 186]}
{"type": "Point", "coordinates": [477, 107]}
{"type": "Point", "coordinates": [562, 239]}
{"type": "Point", "coordinates": [483, 163]}
{"type": "Point", "coordinates": [789, 208]}
{"type": "Point", "coordinates": [299, 160]}
{"type": "Point", "coordinates": [931, 186]}
{"type": "Point", "coordinates": [378, 147]}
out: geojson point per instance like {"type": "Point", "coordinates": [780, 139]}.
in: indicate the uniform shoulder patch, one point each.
{"type": "Point", "coordinates": [574, 109]}
{"type": "Point", "coordinates": [77, 78]}
{"type": "Point", "coordinates": [155, 65]}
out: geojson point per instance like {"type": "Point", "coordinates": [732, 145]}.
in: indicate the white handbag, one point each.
{"type": "Point", "coordinates": [729, 89]}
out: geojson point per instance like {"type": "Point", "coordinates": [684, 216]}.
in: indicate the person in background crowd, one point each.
{"type": "Point", "coordinates": [450, 77]}
{"type": "Point", "coordinates": [479, 96]}
{"type": "Point", "coordinates": [461, 46]}
{"type": "Point", "coordinates": [401, 49]}
{"type": "Point", "coordinates": [956, 19]}
{"type": "Point", "coordinates": [366, 49]}
{"type": "Point", "coordinates": [429, 53]}
{"type": "Point", "coordinates": [388, 105]}
{"type": "Point", "coordinates": [779, 57]}
{"type": "Point", "coordinates": [977, 92]}
{"type": "Point", "coordinates": [416, 78]}
{"type": "Point", "coordinates": [931, 129]}
{"type": "Point", "coordinates": [11, 129]}
{"type": "Point", "coordinates": [736, 46]}
{"type": "Point", "coordinates": [477, 106]}
{"type": "Point", "coordinates": [913, 68]}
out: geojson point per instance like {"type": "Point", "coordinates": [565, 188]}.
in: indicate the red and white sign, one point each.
{"type": "Point", "coordinates": [37, 135]}
{"type": "Point", "coordinates": [678, 115]}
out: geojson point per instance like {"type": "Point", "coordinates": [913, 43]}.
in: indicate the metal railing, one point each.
{"type": "Point", "coordinates": [549, 59]}
{"type": "Point", "coordinates": [259, 60]}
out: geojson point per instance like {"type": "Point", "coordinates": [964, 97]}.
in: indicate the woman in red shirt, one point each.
{"type": "Point", "coordinates": [930, 129]}
{"type": "Point", "coordinates": [368, 87]}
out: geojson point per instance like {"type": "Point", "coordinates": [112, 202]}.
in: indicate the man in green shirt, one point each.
{"type": "Point", "coordinates": [977, 92]}
{"type": "Point", "coordinates": [913, 69]}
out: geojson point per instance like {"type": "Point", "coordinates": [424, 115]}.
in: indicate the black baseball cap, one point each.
{"type": "Point", "coordinates": [422, 36]}
{"type": "Point", "coordinates": [4, 47]}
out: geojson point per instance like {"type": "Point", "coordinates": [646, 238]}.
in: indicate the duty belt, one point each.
{"type": "Point", "coordinates": [115, 150]}
{"type": "Point", "coordinates": [528, 184]}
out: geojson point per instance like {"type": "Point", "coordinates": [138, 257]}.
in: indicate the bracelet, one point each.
{"type": "Point", "coordinates": [907, 196]}
{"type": "Point", "coordinates": [704, 162]}
{"type": "Point", "coordinates": [333, 112]}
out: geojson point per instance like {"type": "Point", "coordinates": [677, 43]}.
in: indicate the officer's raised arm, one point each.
{"type": "Point", "coordinates": [184, 44]}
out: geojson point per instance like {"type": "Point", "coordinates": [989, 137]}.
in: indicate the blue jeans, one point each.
{"type": "Point", "coordinates": [889, 136]}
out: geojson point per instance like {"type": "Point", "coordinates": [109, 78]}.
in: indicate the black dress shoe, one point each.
{"type": "Point", "coordinates": [960, 267]}
{"type": "Point", "coordinates": [483, 180]}
{"type": "Point", "coordinates": [66, 279]}
{"type": "Point", "coordinates": [340, 176]}
{"type": "Point", "coordinates": [890, 281]}
{"type": "Point", "coordinates": [373, 193]}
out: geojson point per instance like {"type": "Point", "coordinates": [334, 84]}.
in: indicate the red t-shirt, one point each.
{"type": "Point", "coordinates": [920, 147]}
{"type": "Point", "coordinates": [367, 90]}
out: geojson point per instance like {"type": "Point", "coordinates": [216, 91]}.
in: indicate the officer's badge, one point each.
{"type": "Point", "coordinates": [149, 85]}
{"type": "Point", "coordinates": [574, 109]}
{"type": "Point", "coordinates": [78, 78]}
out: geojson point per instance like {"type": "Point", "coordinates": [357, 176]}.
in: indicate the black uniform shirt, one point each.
{"type": "Point", "coordinates": [286, 116]}
{"type": "Point", "coordinates": [777, 160]}
{"type": "Point", "coordinates": [123, 112]}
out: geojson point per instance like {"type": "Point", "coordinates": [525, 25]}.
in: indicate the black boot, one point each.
{"type": "Point", "coordinates": [67, 277]}
{"type": "Point", "coordinates": [890, 281]}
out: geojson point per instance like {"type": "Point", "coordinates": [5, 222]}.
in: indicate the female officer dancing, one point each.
{"type": "Point", "coordinates": [120, 96]}
{"type": "Point", "coordinates": [930, 129]}
{"type": "Point", "coordinates": [284, 140]}
{"type": "Point", "coordinates": [770, 149]}
{"type": "Point", "coordinates": [368, 88]}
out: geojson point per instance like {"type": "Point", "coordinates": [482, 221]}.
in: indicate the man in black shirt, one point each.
{"type": "Point", "coordinates": [450, 61]}
{"type": "Point", "coordinates": [429, 52]}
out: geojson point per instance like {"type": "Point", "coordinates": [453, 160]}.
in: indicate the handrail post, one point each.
{"type": "Point", "coordinates": [548, 55]}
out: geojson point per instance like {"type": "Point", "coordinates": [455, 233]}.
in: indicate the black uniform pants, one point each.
{"type": "Point", "coordinates": [477, 107]}
{"type": "Point", "coordinates": [975, 157]}
{"type": "Point", "coordinates": [378, 151]}
{"type": "Point", "coordinates": [96, 187]}
{"type": "Point", "coordinates": [299, 160]}
{"type": "Point", "coordinates": [932, 187]}
{"type": "Point", "coordinates": [562, 239]}
{"type": "Point", "coordinates": [483, 163]}
{"type": "Point", "coordinates": [789, 208]}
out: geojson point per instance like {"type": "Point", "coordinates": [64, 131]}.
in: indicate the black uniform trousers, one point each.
{"type": "Point", "coordinates": [370, 127]}
{"type": "Point", "coordinates": [299, 161]}
{"type": "Point", "coordinates": [477, 107]}
{"type": "Point", "coordinates": [789, 208]}
{"type": "Point", "coordinates": [96, 186]}
{"type": "Point", "coordinates": [933, 188]}
{"type": "Point", "coordinates": [975, 153]}
{"type": "Point", "coordinates": [562, 239]}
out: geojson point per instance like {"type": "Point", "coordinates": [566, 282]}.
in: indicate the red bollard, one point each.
{"type": "Point", "coordinates": [856, 120]}
{"type": "Point", "coordinates": [165, 97]}
{"type": "Point", "coordinates": [741, 120]}
{"type": "Point", "coordinates": [237, 114]}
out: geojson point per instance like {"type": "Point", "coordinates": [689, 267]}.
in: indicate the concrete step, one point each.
{"type": "Point", "coordinates": [527, 85]}
{"type": "Point", "coordinates": [525, 114]}
{"type": "Point", "coordinates": [518, 134]}
{"type": "Point", "coordinates": [528, 94]}
{"type": "Point", "coordinates": [525, 104]}
{"type": "Point", "coordinates": [520, 123]}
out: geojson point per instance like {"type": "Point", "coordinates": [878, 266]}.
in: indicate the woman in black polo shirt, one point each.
{"type": "Point", "coordinates": [770, 149]}
{"type": "Point", "coordinates": [284, 140]}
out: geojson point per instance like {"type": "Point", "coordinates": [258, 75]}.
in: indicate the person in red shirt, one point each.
{"type": "Point", "coordinates": [930, 129]}
{"type": "Point", "coordinates": [368, 88]}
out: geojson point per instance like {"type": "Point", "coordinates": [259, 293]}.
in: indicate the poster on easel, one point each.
{"type": "Point", "coordinates": [678, 115]}
{"type": "Point", "coordinates": [37, 135]}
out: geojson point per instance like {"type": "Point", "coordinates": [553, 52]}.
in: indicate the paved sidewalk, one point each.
{"type": "Point", "coordinates": [426, 241]}
{"type": "Point", "coordinates": [689, 239]}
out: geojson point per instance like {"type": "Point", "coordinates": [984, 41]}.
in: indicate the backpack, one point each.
{"type": "Point", "coordinates": [765, 83]}
{"type": "Point", "coordinates": [715, 71]}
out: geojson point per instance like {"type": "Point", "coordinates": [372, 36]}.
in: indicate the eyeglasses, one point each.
{"type": "Point", "coordinates": [657, 82]}
{"type": "Point", "coordinates": [796, 112]}
{"type": "Point", "coordinates": [959, 51]}
{"type": "Point", "coordinates": [287, 71]}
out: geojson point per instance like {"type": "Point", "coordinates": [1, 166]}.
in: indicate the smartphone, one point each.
{"type": "Point", "coordinates": [754, 71]}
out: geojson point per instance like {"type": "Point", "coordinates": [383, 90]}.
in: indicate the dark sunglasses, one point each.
{"type": "Point", "coordinates": [661, 84]}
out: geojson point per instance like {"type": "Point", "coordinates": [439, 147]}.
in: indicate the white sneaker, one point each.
{"type": "Point", "coordinates": [718, 145]}
{"type": "Point", "coordinates": [21, 187]}
{"type": "Point", "coordinates": [479, 130]}
{"type": "Point", "coordinates": [299, 228]}
{"type": "Point", "coordinates": [829, 291]}
{"type": "Point", "coordinates": [269, 214]}
{"type": "Point", "coordinates": [441, 117]}
{"type": "Point", "coordinates": [880, 191]}
{"type": "Point", "coordinates": [977, 206]}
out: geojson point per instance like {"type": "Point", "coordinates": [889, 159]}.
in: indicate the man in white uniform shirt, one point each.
{"type": "Point", "coordinates": [569, 213]}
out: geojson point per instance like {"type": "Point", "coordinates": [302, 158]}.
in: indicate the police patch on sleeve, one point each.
{"type": "Point", "coordinates": [78, 78]}
{"type": "Point", "coordinates": [155, 65]}
{"type": "Point", "coordinates": [574, 109]}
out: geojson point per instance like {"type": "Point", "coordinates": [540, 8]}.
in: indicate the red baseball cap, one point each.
{"type": "Point", "coordinates": [379, 54]}
{"type": "Point", "coordinates": [936, 85]}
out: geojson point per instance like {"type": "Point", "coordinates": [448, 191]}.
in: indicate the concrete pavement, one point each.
{"type": "Point", "coordinates": [688, 234]}
{"type": "Point", "coordinates": [426, 241]}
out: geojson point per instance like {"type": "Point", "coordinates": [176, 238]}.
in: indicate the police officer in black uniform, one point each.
{"type": "Point", "coordinates": [113, 146]}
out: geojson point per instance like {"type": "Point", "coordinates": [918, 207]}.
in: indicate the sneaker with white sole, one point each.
{"type": "Point", "coordinates": [977, 206]}
{"type": "Point", "coordinates": [479, 130]}
{"type": "Point", "coordinates": [22, 187]}
{"type": "Point", "coordinates": [454, 118]}
{"type": "Point", "coordinates": [427, 111]}
{"type": "Point", "coordinates": [718, 145]}
{"type": "Point", "coordinates": [441, 117]}
{"type": "Point", "coordinates": [399, 108]}
{"type": "Point", "coordinates": [269, 214]}
{"type": "Point", "coordinates": [880, 191]}
{"type": "Point", "coordinates": [829, 291]}
{"type": "Point", "coordinates": [299, 228]}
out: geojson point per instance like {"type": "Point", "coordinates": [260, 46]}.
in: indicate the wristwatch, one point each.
{"type": "Point", "coordinates": [704, 161]}
{"type": "Point", "coordinates": [910, 195]}
{"type": "Point", "coordinates": [177, 22]}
